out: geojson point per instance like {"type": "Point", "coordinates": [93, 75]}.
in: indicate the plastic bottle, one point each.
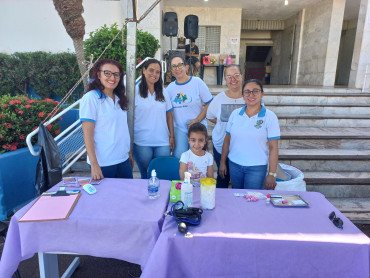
{"type": "Point", "coordinates": [187, 191]}
{"type": "Point", "coordinates": [228, 61]}
{"type": "Point", "coordinates": [153, 186]}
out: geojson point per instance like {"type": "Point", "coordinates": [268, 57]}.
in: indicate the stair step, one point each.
{"type": "Point", "coordinates": [326, 154]}
{"type": "Point", "coordinates": [315, 104]}
{"type": "Point", "coordinates": [324, 117]}
{"type": "Point", "coordinates": [288, 132]}
{"type": "Point", "coordinates": [342, 190]}
{"type": "Point", "coordinates": [337, 178]}
{"type": "Point", "coordinates": [355, 209]}
{"type": "Point", "coordinates": [322, 121]}
{"type": "Point", "coordinates": [323, 111]}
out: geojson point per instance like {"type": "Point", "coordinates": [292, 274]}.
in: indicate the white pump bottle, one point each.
{"type": "Point", "coordinates": [187, 191]}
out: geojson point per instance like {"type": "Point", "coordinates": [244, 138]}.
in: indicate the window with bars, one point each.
{"type": "Point", "coordinates": [208, 40]}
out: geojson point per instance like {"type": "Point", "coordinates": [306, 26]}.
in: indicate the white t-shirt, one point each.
{"type": "Point", "coordinates": [221, 108]}
{"type": "Point", "coordinates": [249, 136]}
{"type": "Point", "coordinates": [150, 125]}
{"type": "Point", "coordinates": [111, 135]}
{"type": "Point", "coordinates": [187, 101]}
{"type": "Point", "coordinates": [197, 165]}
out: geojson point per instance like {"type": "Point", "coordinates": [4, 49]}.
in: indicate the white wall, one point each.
{"type": "Point", "coordinates": [35, 25]}
{"type": "Point", "coordinates": [228, 19]}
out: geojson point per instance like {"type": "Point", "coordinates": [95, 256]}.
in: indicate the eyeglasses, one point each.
{"type": "Point", "coordinates": [254, 92]}
{"type": "Point", "coordinates": [108, 74]}
{"type": "Point", "coordinates": [235, 76]}
{"type": "Point", "coordinates": [179, 65]}
{"type": "Point", "coordinates": [336, 220]}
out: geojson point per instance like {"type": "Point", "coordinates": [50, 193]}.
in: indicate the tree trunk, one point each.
{"type": "Point", "coordinates": [80, 55]}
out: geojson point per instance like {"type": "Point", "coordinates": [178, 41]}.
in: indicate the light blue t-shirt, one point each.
{"type": "Point", "coordinates": [249, 136]}
{"type": "Point", "coordinates": [150, 125]}
{"type": "Point", "coordinates": [111, 135]}
{"type": "Point", "coordinates": [187, 101]}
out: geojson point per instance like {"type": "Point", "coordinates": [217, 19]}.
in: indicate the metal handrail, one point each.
{"type": "Point", "coordinates": [29, 136]}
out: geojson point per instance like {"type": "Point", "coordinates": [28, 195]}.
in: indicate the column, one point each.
{"type": "Point", "coordinates": [361, 52]}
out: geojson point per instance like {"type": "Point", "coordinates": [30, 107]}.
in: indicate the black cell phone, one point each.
{"type": "Point", "coordinates": [96, 182]}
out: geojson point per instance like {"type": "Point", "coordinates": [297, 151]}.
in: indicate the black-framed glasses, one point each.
{"type": "Point", "coordinates": [108, 74]}
{"type": "Point", "coordinates": [179, 65]}
{"type": "Point", "coordinates": [336, 220]}
{"type": "Point", "coordinates": [254, 92]}
{"type": "Point", "coordinates": [235, 76]}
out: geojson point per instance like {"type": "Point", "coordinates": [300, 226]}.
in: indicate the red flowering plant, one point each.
{"type": "Point", "coordinates": [19, 116]}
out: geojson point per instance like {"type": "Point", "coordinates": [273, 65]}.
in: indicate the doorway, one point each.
{"type": "Point", "coordinates": [256, 60]}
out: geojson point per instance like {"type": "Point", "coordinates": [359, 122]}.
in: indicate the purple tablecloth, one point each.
{"type": "Point", "coordinates": [119, 221]}
{"type": "Point", "coordinates": [255, 239]}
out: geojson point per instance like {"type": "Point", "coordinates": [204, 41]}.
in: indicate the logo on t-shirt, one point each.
{"type": "Point", "coordinates": [258, 124]}
{"type": "Point", "coordinates": [181, 98]}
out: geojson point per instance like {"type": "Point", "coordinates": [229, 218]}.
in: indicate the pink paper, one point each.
{"type": "Point", "coordinates": [50, 208]}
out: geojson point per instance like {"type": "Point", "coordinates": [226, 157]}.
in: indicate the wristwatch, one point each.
{"type": "Point", "coordinates": [272, 174]}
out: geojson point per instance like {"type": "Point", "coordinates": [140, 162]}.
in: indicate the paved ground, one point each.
{"type": "Point", "coordinates": [92, 267]}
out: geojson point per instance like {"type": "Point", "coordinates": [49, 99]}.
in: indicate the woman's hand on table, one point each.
{"type": "Point", "coordinates": [96, 173]}
{"type": "Point", "coordinates": [270, 182]}
{"type": "Point", "coordinates": [223, 169]}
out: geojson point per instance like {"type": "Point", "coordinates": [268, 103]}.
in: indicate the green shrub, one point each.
{"type": "Point", "coordinates": [147, 44]}
{"type": "Point", "coordinates": [19, 116]}
{"type": "Point", "coordinates": [46, 73]}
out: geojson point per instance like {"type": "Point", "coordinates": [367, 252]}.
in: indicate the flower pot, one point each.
{"type": "Point", "coordinates": [17, 179]}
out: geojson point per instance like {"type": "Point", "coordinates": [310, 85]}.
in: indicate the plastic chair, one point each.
{"type": "Point", "coordinates": [167, 168]}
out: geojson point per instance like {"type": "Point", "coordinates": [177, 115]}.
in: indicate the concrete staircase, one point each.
{"type": "Point", "coordinates": [325, 132]}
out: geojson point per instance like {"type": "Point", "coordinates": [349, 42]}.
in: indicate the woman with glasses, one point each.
{"type": "Point", "coordinates": [153, 125]}
{"type": "Point", "coordinates": [251, 142]}
{"type": "Point", "coordinates": [188, 94]}
{"type": "Point", "coordinates": [103, 113]}
{"type": "Point", "coordinates": [219, 112]}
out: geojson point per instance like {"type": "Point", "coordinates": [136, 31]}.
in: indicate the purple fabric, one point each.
{"type": "Point", "coordinates": [119, 221]}
{"type": "Point", "coordinates": [254, 239]}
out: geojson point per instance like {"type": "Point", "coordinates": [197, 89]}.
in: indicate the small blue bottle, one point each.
{"type": "Point", "coordinates": [153, 186]}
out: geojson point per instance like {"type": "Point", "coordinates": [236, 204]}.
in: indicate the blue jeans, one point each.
{"type": "Point", "coordinates": [181, 143]}
{"type": "Point", "coordinates": [247, 177]}
{"type": "Point", "coordinates": [221, 182]}
{"type": "Point", "coordinates": [122, 170]}
{"type": "Point", "coordinates": [144, 154]}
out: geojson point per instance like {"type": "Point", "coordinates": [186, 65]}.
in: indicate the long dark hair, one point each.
{"type": "Point", "coordinates": [118, 91]}
{"type": "Point", "coordinates": [201, 128]}
{"type": "Point", "coordinates": [158, 87]}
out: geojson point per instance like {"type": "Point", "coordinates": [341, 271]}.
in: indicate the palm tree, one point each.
{"type": "Point", "coordinates": [70, 11]}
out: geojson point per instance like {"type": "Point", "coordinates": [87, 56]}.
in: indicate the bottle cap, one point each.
{"type": "Point", "coordinates": [154, 174]}
{"type": "Point", "coordinates": [187, 176]}
{"type": "Point", "coordinates": [208, 181]}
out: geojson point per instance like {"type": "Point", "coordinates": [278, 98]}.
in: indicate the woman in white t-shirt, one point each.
{"type": "Point", "coordinates": [188, 94]}
{"type": "Point", "coordinates": [219, 112]}
{"type": "Point", "coordinates": [103, 113]}
{"type": "Point", "coordinates": [153, 125]}
{"type": "Point", "coordinates": [251, 142]}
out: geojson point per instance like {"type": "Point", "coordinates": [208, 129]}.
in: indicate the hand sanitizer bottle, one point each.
{"type": "Point", "coordinates": [187, 191]}
{"type": "Point", "coordinates": [153, 186]}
